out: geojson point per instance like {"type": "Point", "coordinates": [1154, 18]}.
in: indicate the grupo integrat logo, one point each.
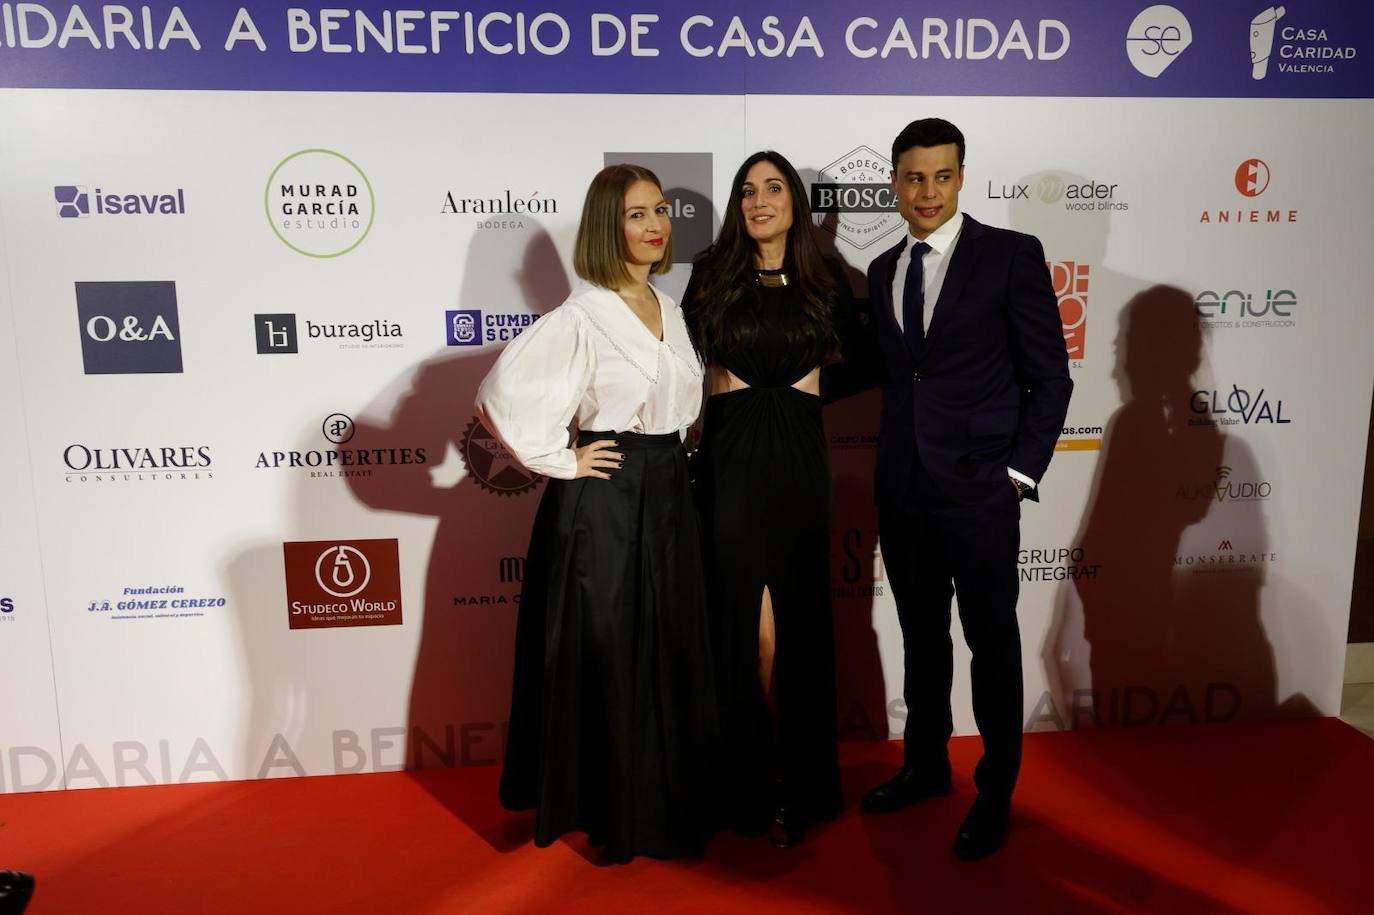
{"type": "Point", "coordinates": [319, 203]}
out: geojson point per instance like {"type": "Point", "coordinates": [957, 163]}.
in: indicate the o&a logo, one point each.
{"type": "Point", "coordinates": [136, 464]}
{"type": "Point", "coordinates": [473, 327]}
{"type": "Point", "coordinates": [1155, 39]}
{"type": "Point", "coordinates": [1070, 280]}
{"type": "Point", "coordinates": [491, 463]}
{"type": "Point", "coordinates": [1237, 308]}
{"type": "Point", "coordinates": [852, 198]}
{"type": "Point", "coordinates": [332, 583]}
{"type": "Point", "coordinates": [319, 203]}
{"type": "Point", "coordinates": [1238, 406]}
{"type": "Point", "coordinates": [324, 463]}
{"type": "Point", "coordinates": [687, 187]}
{"type": "Point", "coordinates": [129, 327]}
{"type": "Point", "coordinates": [76, 201]}
{"type": "Point", "coordinates": [1251, 179]}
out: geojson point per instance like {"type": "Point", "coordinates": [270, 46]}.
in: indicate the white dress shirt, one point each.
{"type": "Point", "coordinates": [593, 363]}
{"type": "Point", "coordinates": [934, 266]}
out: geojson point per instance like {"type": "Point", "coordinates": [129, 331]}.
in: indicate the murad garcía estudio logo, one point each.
{"type": "Point", "coordinates": [319, 203]}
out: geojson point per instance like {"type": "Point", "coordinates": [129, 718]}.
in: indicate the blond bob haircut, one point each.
{"type": "Point", "coordinates": [599, 253]}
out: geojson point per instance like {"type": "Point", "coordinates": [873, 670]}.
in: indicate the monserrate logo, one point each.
{"type": "Point", "coordinates": [1156, 38]}
{"type": "Point", "coordinates": [333, 583]}
{"type": "Point", "coordinates": [1262, 40]}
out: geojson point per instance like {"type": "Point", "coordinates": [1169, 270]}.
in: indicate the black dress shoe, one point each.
{"type": "Point", "coordinates": [983, 830]}
{"type": "Point", "coordinates": [15, 889]}
{"type": "Point", "coordinates": [907, 787]}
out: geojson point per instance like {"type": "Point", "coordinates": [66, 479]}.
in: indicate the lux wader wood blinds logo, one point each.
{"type": "Point", "coordinates": [332, 583]}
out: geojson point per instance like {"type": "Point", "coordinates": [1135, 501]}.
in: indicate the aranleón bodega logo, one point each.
{"type": "Point", "coordinates": [333, 583]}
{"type": "Point", "coordinates": [129, 327]}
{"type": "Point", "coordinates": [319, 203]}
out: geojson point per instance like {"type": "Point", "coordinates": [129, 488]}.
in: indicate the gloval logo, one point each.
{"type": "Point", "coordinates": [1239, 406]}
{"type": "Point", "coordinates": [129, 327]}
{"type": "Point", "coordinates": [1070, 280]}
{"type": "Point", "coordinates": [342, 583]}
{"type": "Point", "coordinates": [491, 463]}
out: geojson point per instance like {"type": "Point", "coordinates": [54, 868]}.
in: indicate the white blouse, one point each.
{"type": "Point", "coordinates": [593, 362]}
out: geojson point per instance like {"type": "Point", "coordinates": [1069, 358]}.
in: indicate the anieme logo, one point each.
{"type": "Point", "coordinates": [74, 201]}
{"type": "Point", "coordinates": [324, 463]}
{"type": "Point", "coordinates": [1236, 308]}
{"type": "Point", "coordinates": [1251, 179]}
{"type": "Point", "coordinates": [469, 327]}
{"type": "Point", "coordinates": [1070, 280]}
{"type": "Point", "coordinates": [129, 327]}
{"type": "Point", "coordinates": [319, 203]}
{"type": "Point", "coordinates": [687, 186]}
{"type": "Point", "coordinates": [852, 198]}
{"type": "Point", "coordinates": [332, 583]}
{"type": "Point", "coordinates": [1156, 38]}
{"type": "Point", "coordinates": [491, 463]}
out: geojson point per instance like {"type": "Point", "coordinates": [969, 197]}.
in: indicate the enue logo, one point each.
{"type": "Point", "coordinates": [331, 583]}
{"type": "Point", "coordinates": [129, 327]}
{"type": "Point", "coordinates": [1252, 177]}
{"type": "Point", "coordinates": [1070, 280]}
{"type": "Point", "coordinates": [319, 203]}
{"type": "Point", "coordinates": [1156, 38]}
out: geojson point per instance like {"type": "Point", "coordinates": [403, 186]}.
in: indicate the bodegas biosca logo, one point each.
{"type": "Point", "coordinates": [334, 583]}
{"type": "Point", "coordinates": [338, 429]}
{"type": "Point", "coordinates": [319, 203]}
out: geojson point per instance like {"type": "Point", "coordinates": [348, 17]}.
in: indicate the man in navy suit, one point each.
{"type": "Point", "coordinates": [975, 389]}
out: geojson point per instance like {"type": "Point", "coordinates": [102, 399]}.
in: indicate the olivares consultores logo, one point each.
{"type": "Point", "coordinates": [319, 203]}
{"type": "Point", "coordinates": [332, 583]}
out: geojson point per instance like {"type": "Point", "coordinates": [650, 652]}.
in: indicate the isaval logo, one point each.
{"type": "Point", "coordinates": [333, 583]}
{"type": "Point", "coordinates": [325, 463]}
{"type": "Point", "coordinates": [687, 186]}
{"type": "Point", "coordinates": [319, 203]}
{"type": "Point", "coordinates": [1251, 179]}
{"type": "Point", "coordinates": [491, 463]}
{"type": "Point", "coordinates": [852, 198]}
{"type": "Point", "coordinates": [74, 201]}
{"type": "Point", "coordinates": [129, 327]}
{"type": "Point", "coordinates": [1155, 39]}
{"type": "Point", "coordinates": [1236, 308]}
{"type": "Point", "coordinates": [1070, 281]}
{"type": "Point", "coordinates": [136, 464]}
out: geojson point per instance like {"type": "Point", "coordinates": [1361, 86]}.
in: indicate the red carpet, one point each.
{"type": "Point", "coordinates": [1269, 817]}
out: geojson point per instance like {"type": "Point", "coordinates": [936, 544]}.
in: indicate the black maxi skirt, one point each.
{"type": "Point", "coordinates": [613, 725]}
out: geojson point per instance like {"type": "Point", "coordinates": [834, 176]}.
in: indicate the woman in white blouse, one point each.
{"type": "Point", "coordinates": [612, 724]}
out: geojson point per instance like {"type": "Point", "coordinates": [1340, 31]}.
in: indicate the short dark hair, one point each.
{"type": "Point", "coordinates": [599, 249]}
{"type": "Point", "coordinates": [928, 132]}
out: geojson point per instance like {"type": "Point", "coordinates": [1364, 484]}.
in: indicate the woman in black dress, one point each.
{"type": "Point", "coordinates": [612, 727]}
{"type": "Point", "coordinates": [764, 308]}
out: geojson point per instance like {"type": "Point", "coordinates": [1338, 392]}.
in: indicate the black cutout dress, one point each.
{"type": "Point", "coordinates": [762, 478]}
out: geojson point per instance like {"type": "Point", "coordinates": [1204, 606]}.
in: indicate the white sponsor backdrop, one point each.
{"type": "Point", "coordinates": [1178, 572]}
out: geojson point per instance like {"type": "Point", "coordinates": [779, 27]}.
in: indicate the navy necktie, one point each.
{"type": "Point", "coordinates": [914, 300]}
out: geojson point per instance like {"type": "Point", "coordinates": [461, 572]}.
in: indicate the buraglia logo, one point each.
{"type": "Point", "coordinates": [77, 201]}
{"type": "Point", "coordinates": [320, 203]}
{"type": "Point", "coordinates": [85, 464]}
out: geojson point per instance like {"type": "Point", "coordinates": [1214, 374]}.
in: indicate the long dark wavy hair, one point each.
{"type": "Point", "coordinates": [723, 290]}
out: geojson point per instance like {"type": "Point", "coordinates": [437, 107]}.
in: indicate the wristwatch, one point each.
{"type": "Point", "coordinates": [1020, 487]}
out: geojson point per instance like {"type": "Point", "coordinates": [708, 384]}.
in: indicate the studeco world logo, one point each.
{"type": "Point", "coordinates": [1156, 38]}
{"type": "Point", "coordinates": [1251, 179]}
{"type": "Point", "coordinates": [319, 203]}
{"type": "Point", "coordinates": [1226, 559]}
{"type": "Point", "coordinates": [1293, 47]}
{"type": "Point", "coordinates": [138, 464]}
{"type": "Point", "coordinates": [1070, 281]}
{"type": "Point", "coordinates": [155, 602]}
{"type": "Point", "coordinates": [1065, 563]}
{"type": "Point", "coordinates": [129, 327]}
{"type": "Point", "coordinates": [334, 583]}
{"type": "Point", "coordinates": [504, 209]}
{"type": "Point", "coordinates": [327, 463]}
{"type": "Point", "coordinates": [1238, 308]}
{"type": "Point", "coordinates": [1224, 487]}
{"type": "Point", "coordinates": [278, 334]}
{"type": "Point", "coordinates": [687, 186]}
{"type": "Point", "coordinates": [472, 327]}
{"type": "Point", "coordinates": [492, 465]}
{"type": "Point", "coordinates": [1236, 407]}
{"type": "Point", "coordinates": [77, 201]}
{"type": "Point", "coordinates": [852, 198]}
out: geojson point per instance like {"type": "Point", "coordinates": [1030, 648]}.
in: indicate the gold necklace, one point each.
{"type": "Point", "coordinates": [771, 280]}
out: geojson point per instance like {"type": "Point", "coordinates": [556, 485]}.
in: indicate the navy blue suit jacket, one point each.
{"type": "Point", "coordinates": [989, 388]}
